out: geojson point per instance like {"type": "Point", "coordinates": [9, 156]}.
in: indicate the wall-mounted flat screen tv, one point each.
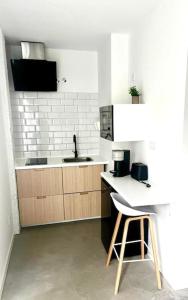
{"type": "Point", "coordinates": [34, 75]}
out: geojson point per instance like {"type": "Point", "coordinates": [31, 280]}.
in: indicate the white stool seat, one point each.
{"type": "Point", "coordinates": [122, 206]}
{"type": "Point", "coordinates": [140, 214]}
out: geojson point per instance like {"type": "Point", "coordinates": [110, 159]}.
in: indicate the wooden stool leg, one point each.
{"type": "Point", "coordinates": [155, 253]}
{"type": "Point", "coordinates": [142, 237]}
{"type": "Point", "coordinates": [118, 220]}
{"type": "Point", "coordinates": [121, 255]}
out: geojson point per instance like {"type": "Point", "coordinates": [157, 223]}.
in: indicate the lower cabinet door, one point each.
{"type": "Point", "coordinates": [82, 205]}
{"type": "Point", "coordinates": [41, 210]}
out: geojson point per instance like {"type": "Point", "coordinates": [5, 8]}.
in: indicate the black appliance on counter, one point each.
{"type": "Point", "coordinates": [36, 161]}
{"type": "Point", "coordinates": [139, 171]}
{"type": "Point", "coordinates": [121, 160]}
{"type": "Point", "coordinates": [108, 218]}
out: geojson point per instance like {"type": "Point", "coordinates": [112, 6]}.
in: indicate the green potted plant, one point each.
{"type": "Point", "coordinates": [135, 94]}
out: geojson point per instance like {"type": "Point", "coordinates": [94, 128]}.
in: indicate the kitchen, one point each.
{"type": "Point", "coordinates": [43, 125]}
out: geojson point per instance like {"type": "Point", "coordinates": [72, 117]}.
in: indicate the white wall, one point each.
{"type": "Point", "coordinates": [113, 68]}
{"type": "Point", "coordinates": [6, 221]}
{"type": "Point", "coordinates": [119, 68]}
{"type": "Point", "coordinates": [159, 62]}
{"type": "Point", "coordinates": [78, 67]}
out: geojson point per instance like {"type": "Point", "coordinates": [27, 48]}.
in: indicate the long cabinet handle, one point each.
{"type": "Point", "coordinates": [82, 166]}
{"type": "Point", "coordinates": [38, 170]}
{"type": "Point", "coordinates": [83, 193]}
{"type": "Point", "coordinates": [41, 197]}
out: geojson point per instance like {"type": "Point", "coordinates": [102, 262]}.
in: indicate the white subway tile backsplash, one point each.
{"type": "Point", "coordinates": [94, 109]}
{"type": "Point", "coordinates": [49, 95]}
{"type": "Point", "coordinates": [54, 102]}
{"type": "Point", "coordinates": [27, 128]}
{"type": "Point", "coordinates": [18, 142]}
{"type": "Point", "coordinates": [56, 141]}
{"type": "Point", "coordinates": [83, 108]}
{"type": "Point", "coordinates": [15, 115]}
{"type": "Point", "coordinates": [30, 154]}
{"type": "Point", "coordinates": [17, 95]}
{"type": "Point", "coordinates": [61, 128]}
{"type": "Point", "coordinates": [84, 134]}
{"type": "Point", "coordinates": [60, 121]}
{"type": "Point", "coordinates": [71, 121]}
{"type": "Point", "coordinates": [46, 134]}
{"type": "Point", "coordinates": [29, 141]}
{"type": "Point", "coordinates": [42, 128]}
{"type": "Point", "coordinates": [19, 122]}
{"type": "Point", "coordinates": [44, 108]}
{"type": "Point", "coordinates": [21, 148]}
{"type": "Point", "coordinates": [18, 108]}
{"type": "Point", "coordinates": [19, 135]}
{"type": "Point", "coordinates": [60, 147]}
{"type": "Point", "coordinates": [58, 108]}
{"type": "Point", "coordinates": [40, 147]}
{"type": "Point", "coordinates": [71, 108]}
{"type": "Point", "coordinates": [31, 108]}
{"type": "Point", "coordinates": [55, 115]}
{"type": "Point", "coordinates": [17, 128]}
{"type": "Point", "coordinates": [32, 122]}
{"type": "Point", "coordinates": [40, 101]}
{"type": "Point", "coordinates": [27, 115]}
{"type": "Point", "coordinates": [30, 95]}
{"type": "Point", "coordinates": [44, 123]}
{"type": "Point", "coordinates": [80, 127]}
{"type": "Point", "coordinates": [43, 141]}
{"type": "Point", "coordinates": [43, 153]}
{"type": "Point", "coordinates": [67, 102]}
{"type": "Point", "coordinates": [33, 135]}
{"type": "Point", "coordinates": [26, 101]}
{"type": "Point", "coordinates": [70, 96]}
{"type": "Point", "coordinates": [41, 115]}
{"type": "Point", "coordinates": [60, 134]}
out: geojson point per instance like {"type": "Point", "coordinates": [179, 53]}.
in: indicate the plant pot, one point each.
{"type": "Point", "coordinates": [135, 99]}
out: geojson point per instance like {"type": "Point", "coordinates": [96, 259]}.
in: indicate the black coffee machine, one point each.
{"type": "Point", "coordinates": [121, 160]}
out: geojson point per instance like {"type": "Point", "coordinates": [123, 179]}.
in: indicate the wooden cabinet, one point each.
{"type": "Point", "coordinates": [50, 195]}
{"type": "Point", "coordinates": [82, 179]}
{"type": "Point", "coordinates": [82, 205]}
{"type": "Point", "coordinates": [39, 182]}
{"type": "Point", "coordinates": [41, 210]}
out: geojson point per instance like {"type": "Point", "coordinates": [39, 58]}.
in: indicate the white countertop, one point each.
{"type": "Point", "coordinates": [134, 192]}
{"type": "Point", "coordinates": [57, 162]}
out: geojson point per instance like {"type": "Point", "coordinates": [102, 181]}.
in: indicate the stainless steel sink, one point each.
{"type": "Point", "coordinates": [76, 159]}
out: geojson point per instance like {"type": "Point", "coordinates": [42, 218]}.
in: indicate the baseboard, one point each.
{"type": "Point", "coordinates": [6, 265]}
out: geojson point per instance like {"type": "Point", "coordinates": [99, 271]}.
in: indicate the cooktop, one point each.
{"type": "Point", "coordinates": [36, 161]}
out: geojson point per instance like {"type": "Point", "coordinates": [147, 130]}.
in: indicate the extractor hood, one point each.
{"type": "Point", "coordinates": [32, 50]}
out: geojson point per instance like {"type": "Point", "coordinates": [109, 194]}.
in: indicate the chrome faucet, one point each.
{"type": "Point", "coordinates": [75, 151]}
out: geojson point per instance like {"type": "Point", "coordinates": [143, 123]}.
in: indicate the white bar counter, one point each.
{"type": "Point", "coordinates": [134, 192]}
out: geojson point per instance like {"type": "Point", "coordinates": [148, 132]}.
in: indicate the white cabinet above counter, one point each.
{"type": "Point", "coordinates": [124, 122]}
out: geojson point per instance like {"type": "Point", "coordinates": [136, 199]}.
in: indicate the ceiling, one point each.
{"type": "Point", "coordinates": [73, 24]}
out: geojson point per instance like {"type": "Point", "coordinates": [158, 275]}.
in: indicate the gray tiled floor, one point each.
{"type": "Point", "coordinates": [66, 261]}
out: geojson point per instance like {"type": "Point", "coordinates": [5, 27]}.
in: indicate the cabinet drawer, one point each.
{"type": "Point", "coordinates": [41, 210]}
{"type": "Point", "coordinates": [39, 182]}
{"type": "Point", "coordinates": [82, 205]}
{"type": "Point", "coordinates": [82, 178]}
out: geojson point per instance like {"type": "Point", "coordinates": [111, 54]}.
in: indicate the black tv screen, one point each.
{"type": "Point", "coordinates": [34, 75]}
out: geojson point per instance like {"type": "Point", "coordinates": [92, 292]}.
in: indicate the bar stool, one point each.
{"type": "Point", "coordinates": [133, 215]}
